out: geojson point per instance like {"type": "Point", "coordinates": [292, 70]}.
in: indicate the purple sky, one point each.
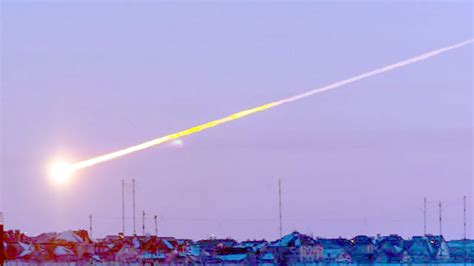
{"type": "Point", "coordinates": [82, 79]}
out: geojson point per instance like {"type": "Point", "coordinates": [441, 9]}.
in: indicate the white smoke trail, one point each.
{"type": "Point", "coordinates": [195, 129]}
{"type": "Point", "coordinates": [376, 72]}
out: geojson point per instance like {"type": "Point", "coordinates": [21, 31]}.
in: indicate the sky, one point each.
{"type": "Point", "coordinates": [84, 78]}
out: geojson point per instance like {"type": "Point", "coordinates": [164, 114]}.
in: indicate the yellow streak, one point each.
{"type": "Point", "coordinates": [148, 144]}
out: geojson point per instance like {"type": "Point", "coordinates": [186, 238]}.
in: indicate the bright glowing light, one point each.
{"type": "Point", "coordinates": [63, 171]}
{"type": "Point", "coordinates": [60, 171]}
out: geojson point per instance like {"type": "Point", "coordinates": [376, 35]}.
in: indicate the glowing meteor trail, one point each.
{"type": "Point", "coordinates": [192, 130]}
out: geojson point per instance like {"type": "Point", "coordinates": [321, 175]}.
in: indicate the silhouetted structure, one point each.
{"type": "Point", "coordinates": [2, 251]}
{"type": "Point", "coordinates": [291, 249]}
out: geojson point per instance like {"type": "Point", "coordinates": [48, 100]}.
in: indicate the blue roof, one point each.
{"type": "Point", "coordinates": [461, 243]}
{"type": "Point", "coordinates": [267, 256]}
{"type": "Point", "coordinates": [333, 243]}
{"type": "Point", "coordinates": [233, 257]}
{"type": "Point", "coordinates": [294, 239]}
{"type": "Point", "coordinates": [195, 250]}
{"type": "Point", "coordinates": [148, 255]}
{"type": "Point", "coordinates": [284, 241]}
{"type": "Point", "coordinates": [168, 244]}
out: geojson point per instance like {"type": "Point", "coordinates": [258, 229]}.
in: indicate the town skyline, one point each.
{"type": "Point", "coordinates": [84, 79]}
{"type": "Point", "coordinates": [78, 246]}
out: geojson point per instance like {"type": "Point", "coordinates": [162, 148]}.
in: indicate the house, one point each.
{"type": "Point", "coordinates": [296, 248]}
{"type": "Point", "coordinates": [419, 250]}
{"type": "Point", "coordinates": [461, 250]}
{"type": "Point", "coordinates": [152, 258]}
{"type": "Point", "coordinates": [36, 253]}
{"type": "Point", "coordinates": [256, 246]}
{"type": "Point", "coordinates": [64, 254]}
{"type": "Point", "coordinates": [154, 244]}
{"type": "Point", "coordinates": [77, 245]}
{"type": "Point", "coordinates": [103, 251]}
{"type": "Point", "coordinates": [390, 249]}
{"type": "Point", "coordinates": [235, 259]}
{"type": "Point", "coordinates": [72, 237]}
{"type": "Point", "coordinates": [211, 245]}
{"type": "Point", "coordinates": [127, 253]}
{"type": "Point", "coordinates": [267, 257]}
{"type": "Point", "coordinates": [18, 251]}
{"type": "Point", "coordinates": [362, 249]}
{"type": "Point", "coordinates": [440, 248]}
{"type": "Point", "coordinates": [84, 251]}
{"type": "Point", "coordinates": [182, 244]}
{"type": "Point", "coordinates": [168, 243]}
{"type": "Point", "coordinates": [334, 250]}
{"type": "Point", "coordinates": [16, 244]}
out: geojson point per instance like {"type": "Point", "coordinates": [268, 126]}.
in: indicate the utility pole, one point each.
{"type": "Point", "coordinates": [440, 219]}
{"type": "Point", "coordinates": [279, 205]}
{"type": "Point", "coordinates": [464, 234]}
{"type": "Point", "coordinates": [156, 225]}
{"type": "Point", "coordinates": [424, 216]}
{"type": "Point", "coordinates": [123, 207]}
{"type": "Point", "coordinates": [90, 225]}
{"type": "Point", "coordinates": [143, 220]}
{"type": "Point", "coordinates": [133, 206]}
{"type": "Point", "coordinates": [464, 217]}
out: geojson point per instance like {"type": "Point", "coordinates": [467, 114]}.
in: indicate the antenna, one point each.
{"type": "Point", "coordinates": [143, 220]}
{"type": "Point", "coordinates": [465, 239]}
{"type": "Point", "coordinates": [440, 219]}
{"type": "Point", "coordinates": [90, 225]}
{"type": "Point", "coordinates": [133, 206]}
{"type": "Point", "coordinates": [464, 211]}
{"type": "Point", "coordinates": [424, 216]}
{"type": "Point", "coordinates": [123, 207]}
{"type": "Point", "coordinates": [156, 225]}
{"type": "Point", "coordinates": [279, 205]}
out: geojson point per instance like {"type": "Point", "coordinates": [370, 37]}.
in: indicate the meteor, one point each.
{"type": "Point", "coordinates": [69, 169]}
{"type": "Point", "coordinates": [60, 171]}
